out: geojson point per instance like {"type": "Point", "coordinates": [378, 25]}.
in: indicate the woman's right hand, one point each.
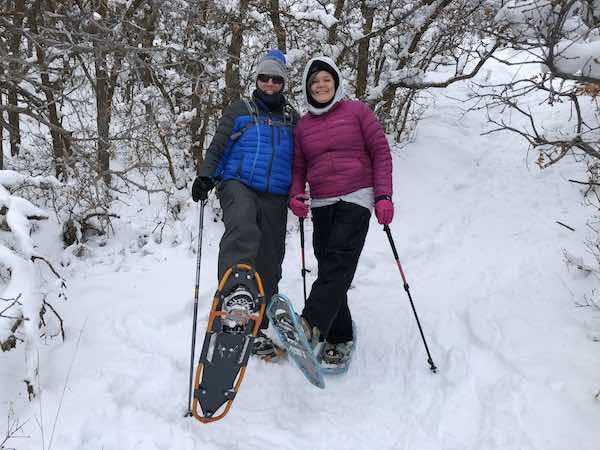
{"type": "Point", "coordinates": [384, 211]}
{"type": "Point", "coordinates": [298, 205]}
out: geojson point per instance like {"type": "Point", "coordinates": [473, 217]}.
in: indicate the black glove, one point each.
{"type": "Point", "coordinates": [201, 188]}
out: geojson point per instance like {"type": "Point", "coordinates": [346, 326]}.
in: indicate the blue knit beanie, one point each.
{"type": "Point", "coordinates": [273, 63]}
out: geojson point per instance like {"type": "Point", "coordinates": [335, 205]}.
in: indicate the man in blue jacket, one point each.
{"type": "Point", "coordinates": [251, 157]}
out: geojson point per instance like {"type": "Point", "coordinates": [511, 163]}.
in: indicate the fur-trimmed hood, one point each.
{"type": "Point", "coordinates": [339, 93]}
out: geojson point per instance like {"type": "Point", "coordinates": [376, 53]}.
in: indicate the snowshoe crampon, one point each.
{"type": "Point", "coordinates": [233, 322]}
{"type": "Point", "coordinates": [290, 332]}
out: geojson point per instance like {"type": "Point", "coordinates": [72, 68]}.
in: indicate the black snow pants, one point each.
{"type": "Point", "coordinates": [339, 233]}
{"type": "Point", "coordinates": [255, 225]}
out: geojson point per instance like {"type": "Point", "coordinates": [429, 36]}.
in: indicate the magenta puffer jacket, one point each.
{"type": "Point", "coordinates": [341, 151]}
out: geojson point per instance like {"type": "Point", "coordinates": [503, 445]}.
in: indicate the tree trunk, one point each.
{"type": "Point", "coordinates": [102, 116]}
{"type": "Point", "coordinates": [198, 122]}
{"type": "Point", "coordinates": [389, 92]}
{"type": "Point", "coordinates": [149, 29]}
{"type": "Point", "coordinates": [233, 88]}
{"type": "Point", "coordinates": [14, 67]}
{"type": "Point", "coordinates": [106, 82]}
{"type": "Point", "coordinates": [103, 105]}
{"type": "Point", "coordinates": [332, 35]}
{"type": "Point", "coordinates": [61, 151]}
{"type": "Point", "coordinates": [1, 135]}
{"type": "Point", "coordinates": [277, 27]}
{"type": "Point", "coordinates": [197, 144]}
{"type": "Point", "coordinates": [381, 58]}
{"type": "Point", "coordinates": [362, 72]}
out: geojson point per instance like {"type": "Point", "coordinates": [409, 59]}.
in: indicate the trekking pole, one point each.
{"type": "Point", "coordinates": [432, 366]}
{"type": "Point", "coordinates": [304, 271]}
{"type": "Point", "coordinates": [195, 320]}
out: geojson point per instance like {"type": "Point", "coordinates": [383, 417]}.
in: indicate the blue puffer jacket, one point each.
{"type": "Point", "coordinates": [254, 146]}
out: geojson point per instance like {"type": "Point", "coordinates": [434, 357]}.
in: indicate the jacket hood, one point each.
{"type": "Point", "coordinates": [339, 93]}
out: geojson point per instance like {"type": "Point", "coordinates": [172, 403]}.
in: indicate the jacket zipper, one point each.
{"type": "Point", "coordinates": [272, 153]}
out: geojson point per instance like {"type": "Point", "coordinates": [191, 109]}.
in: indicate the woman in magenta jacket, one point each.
{"type": "Point", "coordinates": [341, 151]}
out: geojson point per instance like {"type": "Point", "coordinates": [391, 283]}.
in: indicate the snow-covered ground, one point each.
{"type": "Point", "coordinates": [475, 226]}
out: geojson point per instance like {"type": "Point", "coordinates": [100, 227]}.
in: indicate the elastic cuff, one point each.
{"type": "Point", "coordinates": [383, 197]}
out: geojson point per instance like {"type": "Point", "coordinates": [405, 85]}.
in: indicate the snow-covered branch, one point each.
{"type": "Point", "coordinates": [13, 430]}
{"type": "Point", "coordinates": [418, 82]}
{"type": "Point", "coordinates": [561, 39]}
{"type": "Point", "coordinates": [562, 36]}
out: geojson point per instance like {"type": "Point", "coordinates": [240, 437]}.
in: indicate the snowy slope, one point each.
{"type": "Point", "coordinates": [475, 229]}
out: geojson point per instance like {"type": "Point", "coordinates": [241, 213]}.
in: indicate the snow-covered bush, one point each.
{"type": "Point", "coordinates": [24, 306]}
{"type": "Point", "coordinates": [563, 40]}
{"type": "Point", "coordinates": [560, 41]}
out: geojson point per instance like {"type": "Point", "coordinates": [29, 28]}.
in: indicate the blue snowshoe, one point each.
{"type": "Point", "coordinates": [291, 333]}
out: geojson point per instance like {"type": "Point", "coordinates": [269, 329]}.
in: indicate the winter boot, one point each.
{"type": "Point", "coordinates": [312, 333]}
{"type": "Point", "coordinates": [337, 354]}
{"type": "Point", "coordinates": [263, 346]}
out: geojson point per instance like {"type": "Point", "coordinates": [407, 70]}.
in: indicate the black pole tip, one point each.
{"type": "Point", "coordinates": [432, 366]}
{"type": "Point", "coordinates": [188, 414]}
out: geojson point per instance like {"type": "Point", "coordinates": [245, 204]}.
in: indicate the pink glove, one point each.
{"type": "Point", "coordinates": [384, 211]}
{"type": "Point", "coordinates": [298, 205]}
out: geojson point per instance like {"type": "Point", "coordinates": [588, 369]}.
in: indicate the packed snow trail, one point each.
{"type": "Point", "coordinates": [476, 234]}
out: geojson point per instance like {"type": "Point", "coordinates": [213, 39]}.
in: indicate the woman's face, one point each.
{"type": "Point", "coordinates": [322, 87]}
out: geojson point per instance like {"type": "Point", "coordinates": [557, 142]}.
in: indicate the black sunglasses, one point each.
{"type": "Point", "coordinates": [263, 78]}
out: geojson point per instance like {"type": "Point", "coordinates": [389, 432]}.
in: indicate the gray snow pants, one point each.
{"type": "Point", "coordinates": [255, 225]}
